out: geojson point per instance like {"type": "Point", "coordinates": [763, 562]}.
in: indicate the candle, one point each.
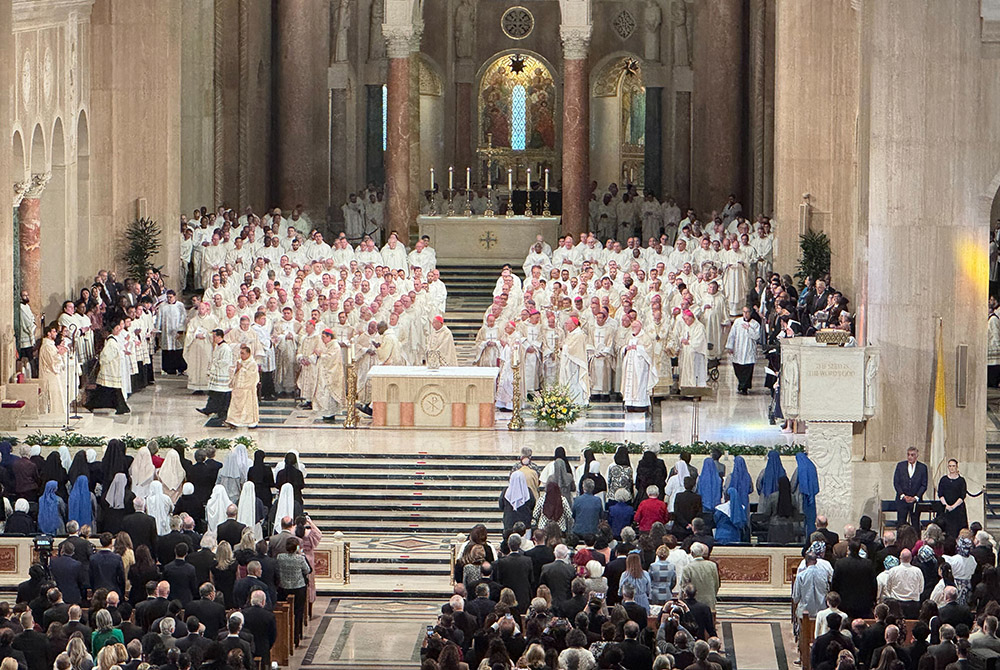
{"type": "Point", "coordinates": [432, 179]}
{"type": "Point", "coordinates": [527, 181]}
{"type": "Point", "coordinates": [468, 179]}
{"type": "Point", "coordinates": [510, 180]}
{"type": "Point", "coordinates": [546, 179]}
{"type": "Point", "coordinates": [350, 355]}
{"type": "Point", "coordinates": [451, 179]}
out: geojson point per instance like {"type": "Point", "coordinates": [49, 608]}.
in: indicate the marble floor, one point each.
{"type": "Point", "coordinates": [381, 633]}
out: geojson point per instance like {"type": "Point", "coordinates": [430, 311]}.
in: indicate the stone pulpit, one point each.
{"type": "Point", "coordinates": [834, 389]}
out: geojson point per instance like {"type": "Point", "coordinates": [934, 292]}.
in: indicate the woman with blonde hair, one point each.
{"type": "Point", "coordinates": [79, 657]}
{"type": "Point", "coordinates": [123, 547]}
{"type": "Point", "coordinates": [508, 598]}
{"type": "Point", "coordinates": [533, 658]}
{"type": "Point", "coordinates": [224, 572]}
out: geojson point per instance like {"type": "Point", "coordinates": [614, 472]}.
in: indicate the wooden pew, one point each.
{"type": "Point", "coordinates": [291, 621]}
{"type": "Point", "coordinates": [807, 633]}
{"type": "Point", "coordinates": [282, 644]}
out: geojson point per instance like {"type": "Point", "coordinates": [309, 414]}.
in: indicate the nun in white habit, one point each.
{"type": "Point", "coordinates": [215, 510]}
{"type": "Point", "coordinates": [250, 511]}
{"type": "Point", "coordinates": [159, 506]}
{"type": "Point", "coordinates": [284, 507]}
{"type": "Point", "coordinates": [675, 484]}
{"type": "Point", "coordinates": [141, 473]}
{"type": "Point", "coordinates": [233, 474]}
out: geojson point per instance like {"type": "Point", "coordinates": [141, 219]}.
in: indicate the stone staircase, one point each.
{"type": "Point", "coordinates": [470, 292]}
{"type": "Point", "coordinates": [400, 511]}
{"type": "Point", "coordinates": [992, 488]}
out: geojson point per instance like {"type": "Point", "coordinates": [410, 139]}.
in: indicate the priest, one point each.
{"type": "Point", "coordinates": [198, 347]}
{"type": "Point", "coordinates": [171, 319]}
{"type": "Point", "coordinates": [742, 348]}
{"type": "Point", "coordinates": [488, 344]}
{"type": "Point", "coordinates": [693, 356]}
{"type": "Point", "coordinates": [638, 370]}
{"type": "Point", "coordinates": [441, 344]}
{"type": "Point", "coordinates": [574, 372]}
{"type": "Point", "coordinates": [602, 356]}
{"type": "Point", "coordinates": [109, 378]}
{"type": "Point", "coordinates": [285, 336]}
{"type": "Point", "coordinates": [243, 408]}
{"type": "Point", "coordinates": [307, 357]}
{"type": "Point", "coordinates": [330, 383]}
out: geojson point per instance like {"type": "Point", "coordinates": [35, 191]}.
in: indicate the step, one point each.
{"type": "Point", "coordinates": [418, 456]}
{"type": "Point", "coordinates": [416, 488]}
{"type": "Point", "coordinates": [403, 496]}
{"type": "Point", "coordinates": [437, 476]}
{"type": "Point", "coordinates": [414, 504]}
{"type": "Point", "coordinates": [411, 527]}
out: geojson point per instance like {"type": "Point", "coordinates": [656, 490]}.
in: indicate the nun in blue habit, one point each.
{"type": "Point", "coordinates": [81, 507]}
{"type": "Point", "coordinates": [767, 480]}
{"type": "Point", "coordinates": [51, 511]}
{"type": "Point", "coordinates": [805, 481]}
{"type": "Point", "coordinates": [731, 519]}
{"type": "Point", "coordinates": [709, 486]}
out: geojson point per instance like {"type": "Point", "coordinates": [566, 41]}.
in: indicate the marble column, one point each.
{"type": "Point", "coordinates": [303, 126]}
{"type": "Point", "coordinates": [718, 104]}
{"type": "Point", "coordinates": [464, 156]}
{"type": "Point", "coordinates": [397, 152]}
{"type": "Point", "coordinates": [374, 155]}
{"type": "Point", "coordinates": [29, 214]}
{"type": "Point", "coordinates": [653, 158]}
{"type": "Point", "coordinates": [576, 131]}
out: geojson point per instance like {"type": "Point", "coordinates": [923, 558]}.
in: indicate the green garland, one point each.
{"type": "Point", "coordinates": [131, 442]}
{"type": "Point", "coordinates": [696, 448]}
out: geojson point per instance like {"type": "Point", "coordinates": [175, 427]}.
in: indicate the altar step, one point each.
{"type": "Point", "coordinates": [470, 292]}
{"type": "Point", "coordinates": [992, 487]}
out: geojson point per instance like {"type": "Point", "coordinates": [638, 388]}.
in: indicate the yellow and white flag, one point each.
{"type": "Point", "coordinates": [938, 422]}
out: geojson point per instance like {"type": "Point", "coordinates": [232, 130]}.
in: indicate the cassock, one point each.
{"type": "Point", "coordinates": [573, 369]}
{"type": "Point", "coordinates": [243, 408]}
{"type": "Point", "coordinates": [693, 357]}
{"type": "Point", "coordinates": [639, 374]}
{"type": "Point", "coordinates": [171, 320]}
{"type": "Point", "coordinates": [286, 333]}
{"type": "Point", "coordinates": [443, 343]}
{"type": "Point", "coordinates": [198, 350]}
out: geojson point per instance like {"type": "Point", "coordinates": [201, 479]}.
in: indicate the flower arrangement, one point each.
{"type": "Point", "coordinates": [696, 448]}
{"type": "Point", "coordinates": [553, 407]}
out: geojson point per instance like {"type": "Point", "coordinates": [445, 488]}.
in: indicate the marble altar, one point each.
{"type": "Point", "coordinates": [481, 240]}
{"type": "Point", "coordinates": [416, 396]}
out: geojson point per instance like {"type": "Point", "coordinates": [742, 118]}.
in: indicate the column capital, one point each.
{"type": "Point", "coordinates": [20, 188]}
{"type": "Point", "coordinates": [38, 183]}
{"type": "Point", "coordinates": [575, 40]}
{"type": "Point", "coordinates": [399, 39]}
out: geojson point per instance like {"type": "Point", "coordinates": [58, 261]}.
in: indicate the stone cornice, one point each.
{"type": "Point", "coordinates": [38, 14]}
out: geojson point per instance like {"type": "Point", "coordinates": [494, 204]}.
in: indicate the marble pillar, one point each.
{"type": "Point", "coordinates": [576, 132]}
{"type": "Point", "coordinates": [682, 149]}
{"type": "Point", "coordinates": [653, 158]}
{"type": "Point", "coordinates": [718, 104]}
{"type": "Point", "coordinates": [303, 126]}
{"type": "Point", "coordinates": [29, 215]}
{"type": "Point", "coordinates": [414, 121]}
{"type": "Point", "coordinates": [374, 154]}
{"type": "Point", "coordinates": [397, 153]}
{"type": "Point", "coordinates": [464, 155]}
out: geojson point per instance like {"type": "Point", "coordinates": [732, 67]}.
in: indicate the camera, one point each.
{"type": "Point", "coordinates": [43, 547]}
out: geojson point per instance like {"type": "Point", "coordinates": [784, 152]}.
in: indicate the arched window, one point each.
{"type": "Point", "coordinates": [518, 118]}
{"type": "Point", "coordinates": [385, 115]}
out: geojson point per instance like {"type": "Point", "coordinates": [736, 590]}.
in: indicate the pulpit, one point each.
{"type": "Point", "coordinates": [416, 396]}
{"type": "Point", "coordinates": [834, 389]}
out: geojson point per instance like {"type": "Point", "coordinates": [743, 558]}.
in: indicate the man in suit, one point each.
{"type": "Point", "coordinates": [181, 576]}
{"type": "Point", "coordinates": [234, 641]}
{"type": "Point", "coordinates": [74, 625]}
{"type": "Point", "coordinates": [166, 545]}
{"type": "Point", "coordinates": [820, 298]}
{"type": "Point", "coordinates": [515, 571]}
{"type": "Point", "coordinates": [635, 611]}
{"type": "Point", "coordinates": [614, 571]}
{"type": "Point", "coordinates": [481, 606]}
{"type": "Point", "coordinates": [891, 641]}
{"type": "Point", "coordinates": [987, 639]}
{"type": "Point", "coordinates": [82, 548]}
{"type": "Point", "coordinates": [829, 537]}
{"type": "Point", "coordinates": [568, 609]}
{"type": "Point", "coordinates": [699, 613]}
{"type": "Point", "coordinates": [202, 476]}
{"type": "Point", "coordinates": [34, 645]}
{"type": "Point", "coordinates": [703, 574]}
{"type": "Point", "coordinates": [247, 585]}
{"type": "Point", "coordinates": [910, 482]}
{"type": "Point", "coordinates": [230, 530]}
{"type": "Point", "coordinates": [945, 652]}
{"type": "Point", "coordinates": [964, 662]}
{"type": "Point", "coordinates": [151, 609]}
{"type": "Point", "coordinates": [141, 527]}
{"type": "Point", "coordinates": [717, 655]}
{"type": "Point", "coordinates": [854, 580]}
{"type": "Point", "coordinates": [488, 573]}
{"type": "Point", "coordinates": [276, 545]}
{"type": "Point", "coordinates": [636, 655]}
{"type": "Point", "coordinates": [211, 614]}
{"type": "Point", "coordinates": [954, 612]}
{"type": "Point", "coordinates": [821, 643]}
{"type": "Point", "coordinates": [57, 609]}
{"type": "Point", "coordinates": [260, 622]}
{"type": "Point", "coordinates": [106, 568]}
{"type": "Point", "coordinates": [194, 643]}
{"type": "Point", "coordinates": [69, 574]}
{"type": "Point", "coordinates": [541, 554]}
{"type": "Point", "coordinates": [558, 575]}
{"type": "Point", "coordinates": [134, 649]}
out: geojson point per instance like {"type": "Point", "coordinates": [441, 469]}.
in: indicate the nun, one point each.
{"type": "Point", "coordinates": [114, 461]}
{"type": "Point", "coordinates": [215, 509]}
{"type": "Point", "coordinates": [159, 506]}
{"type": "Point", "coordinates": [233, 474]}
{"type": "Point", "coordinates": [650, 471]}
{"type": "Point", "coordinates": [292, 474]}
{"type": "Point", "coordinates": [262, 478]}
{"type": "Point", "coordinates": [767, 480]}
{"type": "Point", "coordinates": [142, 471]}
{"type": "Point", "coordinates": [171, 475]}
{"type": "Point", "coordinates": [51, 511]}
{"type": "Point", "coordinates": [600, 483]}
{"type": "Point", "coordinates": [250, 511]}
{"type": "Point", "coordinates": [709, 486]}
{"type": "Point", "coordinates": [115, 503]}
{"type": "Point", "coordinates": [560, 472]}
{"type": "Point", "coordinates": [805, 482]}
{"type": "Point", "coordinates": [730, 519]}
{"type": "Point", "coordinates": [81, 504]}
{"type": "Point", "coordinates": [675, 484]}
{"type": "Point", "coordinates": [516, 502]}
{"type": "Point", "coordinates": [191, 505]}
{"type": "Point", "coordinates": [286, 506]}
{"type": "Point", "coordinates": [53, 471]}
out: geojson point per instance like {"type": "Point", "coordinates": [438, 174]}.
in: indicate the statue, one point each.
{"type": "Point", "coordinates": [682, 47]}
{"type": "Point", "coordinates": [465, 29]}
{"type": "Point", "coordinates": [343, 26]}
{"type": "Point", "coordinates": [871, 384]}
{"type": "Point", "coordinates": [652, 18]}
{"type": "Point", "coordinates": [376, 42]}
{"type": "Point", "coordinates": [790, 385]}
{"type": "Point", "coordinates": [9, 361]}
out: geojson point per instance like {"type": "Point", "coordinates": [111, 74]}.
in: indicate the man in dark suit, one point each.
{"type": "Point", "coordinates": [141, 527]}
{"type": "Point", "coordinates": [82, 549]}
{"type": "Point", "coordinates": [636, 655]}
{"type": "Point", "coordinates": [820, 298]}
{"type": "Point", "coordinates": [74, 625]}
{"type": "Point", "coordinates": [568, 609]}
{"type": "Point", "coordinates": [954, 612]}
{"type": "Point", "coordinates": [276, 545]}
{"type": "Point", "coordinates": [698, 613]}
{"type": "Point", "coordinates": [247, 585]}
{"type": "Point", "coordinates": [829, 537]}
{"type": "Point", "coordinates": [614, 571]}
{"type": "Point", "coordinates": [945, 652]}
{"type": "Point", "coordinates": [487, 572]}
{"type": "Point", "coordinates": [151, 609]}
{"type": "Point", "coordinates": [717, 655]}
{"type": "Point", "coordinates": [481, 606]}
{"type": "Point", "coordinates": [57, 610]}
{"type": "Point", "coordinates": [230, 530]}
{"type": "Point", "coordinates": [210, 461]}
{"type": "Point", "coordinates": [69, 574]}
{"type": "Point", "coordinates": [891, 641]}
{"type": "Point", "coordinates": [234, 641]}
{"type": "Point", "coordinates": [515, 571]}
{"type": "Point", "coordinates": [687, 507]}
{"type": "Point", "coordinates": [211, 614]}
{"type": "Point", "coordinates": [34, 645]}
{"type": "Point", "coordinates": [202, 476]}
{"type": "Point", "coordinates": [963, 662]}
{"type": "Point", "coordinates": [854, 580]}
{"type": "Point", "coordinates": [541, 555]}
{"type": "Point", "coordinates": [635, 611]}
{"type": "Point", "coordinates": [818, 653]}
{"type": "Point", "coordinates": [166, 545]}
{"type": "Point", "coordinates": [106, 568]}
{"type": "Point", "coordinates": [910, 482]}
{"type": "Point", "coordinates": [260, 622]}
{"type": "Point", "coordinates": [195, 642]}
{"type": "Point", "coordinates": [181, 576]}
{"type": "Point", "coordinates": [558, 575]}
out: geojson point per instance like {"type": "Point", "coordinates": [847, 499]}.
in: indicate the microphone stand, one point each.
{"type": "Point", "coordinates": [70, 356]}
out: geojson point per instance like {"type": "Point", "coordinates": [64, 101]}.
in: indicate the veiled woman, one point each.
{"type": "Point", "coordinates": [560, 472]}
{"type": "Point", "coordinates": [115, 460]}
{"type": "Point", "coordinates": [81, 507]}
{"type": "Point", "coordinates": [171, 475]}
{"type": "Point", "coordinates": [291, 474]}
{"type": "Point", "coordinates": [215, 510]}
{"type": "Point", "coordinates": [620, 474]}
{"type": "Point", "coordinates": [51, 511]}
{"type": "Point", "coordinates": [115, 503]}
{"type": "Point", "coordinates": [141, 473]}
{"type": "Point", "coordinates": [233, 474]}
{"type": "Point", "coordinates": [649, 472]}
{"type": "Point", "coordinates": [159, 506]}
{"type": "Point", "coordinates": [262, 478]}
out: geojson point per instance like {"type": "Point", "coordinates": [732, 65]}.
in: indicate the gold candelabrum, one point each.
{"type": "Point", "coordinates": [516, 420]}
{"type": "Point", "coordinates": [351, 420]}
{"type": "Point", "coordinates": [468, 203]}
{"type": "Point", "coordinates": [510, 205]}
{"type": "Point", "coordinates": [489, 199]}
{"type": "Point", "coordinates": [451, 202]}
{"type": "Point", "coordinates": [545, 206]}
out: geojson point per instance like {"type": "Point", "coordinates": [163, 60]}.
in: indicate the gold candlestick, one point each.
{"type": "Point", "coordinates": [516, 420]}
{"type": "Point", "coordinates": [489, 201]}
{"type": "Point", "coordinates": [351, 420]}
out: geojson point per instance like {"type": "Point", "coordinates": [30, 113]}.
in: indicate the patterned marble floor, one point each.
{"type": "Point", "coordinates": [387, 633]}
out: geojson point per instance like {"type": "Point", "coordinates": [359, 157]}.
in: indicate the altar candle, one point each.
{"type": "Point", "coordinates": [546, 179]}
{"type": "Point", "coordinates": [527, 181]}
{"type": "Point", "coordinates": [510, 180]}
{"type": "Point", "coordinates": [468, 179]}
{"type": "Point", "coordinates": [451, 179]}
{"type": "Point", "coordinates": [350, 355]}
{"type": "Point", "coordinates": [432, 179]}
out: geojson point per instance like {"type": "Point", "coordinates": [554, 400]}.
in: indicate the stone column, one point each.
{"type": "Point", "coordinates": [464, 154]}
{"type": "Point", "coordinates": [576, 130]}
{"type": "Point", "coordinates": [718, 101]}
{"type": "Point", "coordinates": [397, 150]}
{"type": "Point", "coordinates": [653, 158]}
{"type": "Point", "coordinates": [302, 111]}
{"type": "Point", "coordinates": [29, 213]}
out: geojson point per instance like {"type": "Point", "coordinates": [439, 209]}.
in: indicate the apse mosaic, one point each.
{"type": "Point", "coordinates": [517, 104]}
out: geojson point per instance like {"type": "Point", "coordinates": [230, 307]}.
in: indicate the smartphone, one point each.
{"type": "Point", "coordinates": [430, 630]}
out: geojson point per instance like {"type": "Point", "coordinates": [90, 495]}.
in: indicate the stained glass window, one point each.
{"type": "Point", "coordinates": [385, 115]}
{"type": "Point", "coordinates": [518, 118]}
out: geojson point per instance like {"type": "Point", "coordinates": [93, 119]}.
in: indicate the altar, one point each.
{"type": "Point", "coordinates": [482, 240]}
{"type": "Point", "coordinates": [416, 396]}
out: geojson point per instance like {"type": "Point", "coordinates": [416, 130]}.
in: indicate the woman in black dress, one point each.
{"type": "Point", "coordinates": [951, 493]}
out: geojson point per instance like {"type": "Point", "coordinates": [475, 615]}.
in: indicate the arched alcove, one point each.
{"type": "Point", "coordinates": [618, 121]}
{"type": "Point", "coordinates": [82, 185]}
{"type": "Point", "coordinates": [56, 244]}
{"type": "Point", "coordinates": [18, 166]}
{"type": "Point", "coordinates": [38, 159]}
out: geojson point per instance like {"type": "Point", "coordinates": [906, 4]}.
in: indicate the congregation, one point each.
{"type": "Point", "coordinates": [189, 563]}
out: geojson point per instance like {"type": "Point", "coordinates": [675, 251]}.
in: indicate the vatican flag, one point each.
{"type": "Point", "coordinates": [938, 423]}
